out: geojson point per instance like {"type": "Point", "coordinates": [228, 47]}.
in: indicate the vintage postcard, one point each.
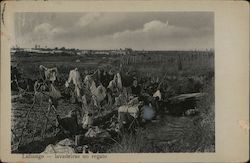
{"type": "Point", "coordinates": [125, 81]}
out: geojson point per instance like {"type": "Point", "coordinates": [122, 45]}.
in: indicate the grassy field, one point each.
{"type": "Point", "coordinates": [30, 65]}
{"type": "Point", "coordinates": [170, 134]}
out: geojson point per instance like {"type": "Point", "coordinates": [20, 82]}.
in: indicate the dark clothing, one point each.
{"type": "Point", "coordinates": [105, 79]}
{"type": "Point", "coordinates": [110, 77]}
{"type": "Point", "coordinates": [136, 90]}
{"type": "Point", "coordinates": [127, 80]}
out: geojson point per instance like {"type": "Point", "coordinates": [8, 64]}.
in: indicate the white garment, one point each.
{"type": "Point", "coordinates": [93, 88]}
{"type": "Point", "coordinates": [116, 82]}
{"type": "Point", "coordinates": [112, 85]}
{"type": "Point", "coordinates": [88, 81]}
{"type": "Point", "coordinates": [51, 149]}
{"type": "Point", "coordinates": [84, 102]}
{"type": "Point", "coordinates": [75, 77]}
{"type": "Point", "coordinates": [119, 81]}
{"type": "Point", "coordinates": [87, 121]}
{"type": "Point", "coordinates": [98, 93]}
{"type": "Point", "coordinates": [157, 94]}
{"type": "Point", "coordinates": [131, 108]}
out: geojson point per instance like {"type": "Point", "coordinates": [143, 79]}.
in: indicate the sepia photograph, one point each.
{"type": "Point", "coordinates": [124, 81]}
{"type": "Point", "coordinates": [113, 82]}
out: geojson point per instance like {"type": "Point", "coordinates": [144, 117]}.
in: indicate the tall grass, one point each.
{"type": "Point", "coordinates": [129, 143]}
{"type": "Point", "coordinates": [207, 119]}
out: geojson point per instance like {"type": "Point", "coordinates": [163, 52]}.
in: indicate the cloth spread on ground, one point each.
{"type": "Point", "coordinates": [131, 107]}
{"type": "Point", "coordinates": [98, 93]}
{"type": "Point", "coordinates": [96, 132]}
{"type": "Point", "coordinates": [127, 113]}
{"type": "Point", "coordinates": [63, 146]}
{"type": "Point", "coordinates": [58, 149]}
{"type": "Point", "coordinates": [66, 142]}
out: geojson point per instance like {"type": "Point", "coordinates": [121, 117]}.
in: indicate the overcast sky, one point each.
{"type": "Point", "coordinates": [137, 30]}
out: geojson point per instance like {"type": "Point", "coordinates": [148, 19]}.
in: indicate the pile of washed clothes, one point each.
{"type": "Point", "coordinates": [93, 140]}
